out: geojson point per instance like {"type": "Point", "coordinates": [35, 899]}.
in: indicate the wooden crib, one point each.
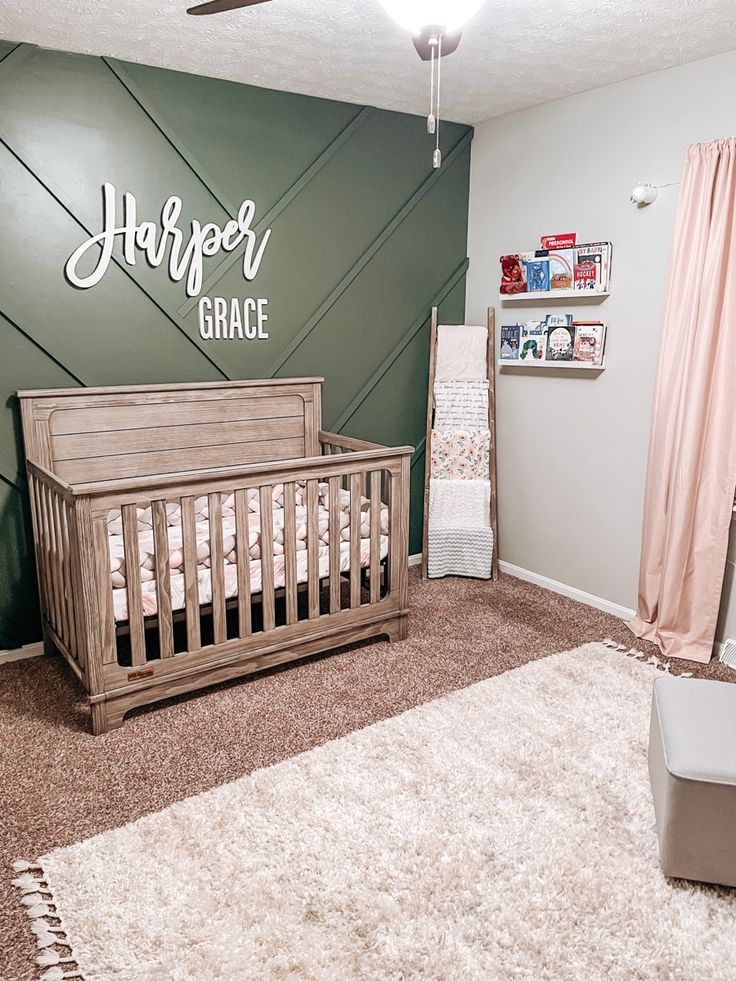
{"type": "Point", "coordinates": [224, 447]}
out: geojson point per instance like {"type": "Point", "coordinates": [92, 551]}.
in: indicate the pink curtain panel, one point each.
{"type": "Point", "coordinates": [691, 473]}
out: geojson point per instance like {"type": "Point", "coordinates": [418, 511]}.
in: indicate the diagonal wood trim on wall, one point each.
{"type": "Point", "coordinates": [40, 347]}
{"type": "Point", "coordinates": [12, 56]}
{"type": "Point", "coordinates": [437, 300]}
{"type": "Point", "coordinates": [209, 182]}
{"type": "Point", "coordinates": [375, 246]}
{"type": "Point", "coordinates": [196, 167]}
{"type": "Point", "coordinates": [7, 54]}
{"type": "Point", "coordinates": [121, 265]}
{"type": "Point", "coordinates": [368, 238]}
{"type": "Point", "coordinates": [16, 482]}
{"type": "Point", "coordinates": [219, 271]}
{"type": "Point", "coordinates": [419, 452]}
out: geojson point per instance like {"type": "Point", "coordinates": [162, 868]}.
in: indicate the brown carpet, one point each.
{"type": "Point", "coordinates": [59, 784]}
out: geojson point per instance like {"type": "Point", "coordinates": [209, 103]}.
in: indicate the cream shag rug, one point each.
{"type": "Point", "coordinates": [504, 831]}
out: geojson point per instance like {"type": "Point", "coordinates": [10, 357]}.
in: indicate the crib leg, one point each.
{"type": "Point", "coordinates": [105, 718]}
{"type": "Point", "coordinates": [49, 647]}
{"type": "Point", "coordinates": [399, 629]}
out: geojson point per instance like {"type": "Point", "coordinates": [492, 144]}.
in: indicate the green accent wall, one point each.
{"type": "Point", "coordinates": [365, 238]}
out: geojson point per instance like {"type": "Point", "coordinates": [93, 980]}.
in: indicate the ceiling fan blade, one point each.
{"type": "Point", "coordinates": [450, 42]}
{"type": "Point", "coordinates": [219, 6]}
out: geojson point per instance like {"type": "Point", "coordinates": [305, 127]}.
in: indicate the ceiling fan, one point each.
{"type": "Point", "coordinates": [436, 29]}
{"type": "Point", "coordinates": [412, 15]}
{"type": "Point", "coordinates": [220, 6]}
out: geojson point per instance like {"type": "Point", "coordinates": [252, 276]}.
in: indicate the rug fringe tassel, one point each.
{"type": "Point", "coordinates": [657, 663]}
{"type": "Point", "coordinates": [38, 897]}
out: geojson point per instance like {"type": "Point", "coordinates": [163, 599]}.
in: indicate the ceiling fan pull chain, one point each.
{"type": "Point", "coordinates": [437, 157]}
{"type": "Point", "coordinates": [431, 121]}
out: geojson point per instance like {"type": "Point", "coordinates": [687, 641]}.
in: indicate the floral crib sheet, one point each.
{"type": "Point", "coordinates": [146, 569]}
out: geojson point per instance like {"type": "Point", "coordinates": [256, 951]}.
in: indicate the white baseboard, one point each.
{"type": "Point", "coordinates": [622, 612]}
{"type": "Point", "coordinates": [556, 587]}
{"type": "Point", "coordinates": [21, 653]}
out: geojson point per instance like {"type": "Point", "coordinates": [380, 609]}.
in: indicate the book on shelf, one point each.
{"type": "Point", "coordinates": [592, 267]}
{"type": "Point", "coordinates": [564, 241]}
{"type": "Point", "coordinates": [537, 275]}
{"type": "Point", "coordinates": [590, 341]}
{"type": "Point", "coordinates": [533, 341]}
{"type": "Point", "coordinates": [510, 342]}
{"type": "Point", "coordinates": [557, 320]}
{"type": "Point", "coordinates": [513, 274]}
{"type": "Point", "coordinates": [560, 342]}
{"type": "Point", "coordinates": [561, 267]}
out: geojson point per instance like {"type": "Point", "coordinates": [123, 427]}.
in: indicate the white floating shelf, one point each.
{"type": "Point", "coordinates": [542, 295]}
{"type": "Point", "coordinates": [537, 365]}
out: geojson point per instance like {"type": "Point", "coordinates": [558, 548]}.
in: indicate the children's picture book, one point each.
{"type": "Point", "coordinates": [557, 319]}
{"type": "Point", "coordinates": [513, 274]}
{"type": "Point", "coordinates": [560, 343]}
{"type": "Point", "coordinates": [565, 241]}
{"type": "Point", "coordinates": [585, 276]}
{"type": "Point", "coordinates": [592, 266]}
{"type": "Point", "coordinates": [533, 341]}
{"type": "Point", "coordinates": [537, 276]}
{"type": "Point", "coordinates": [590, 339]}
{"type": "Point", "coordinates": [561, 267]}
{"type": "Point", "coordinates": [510, 341]}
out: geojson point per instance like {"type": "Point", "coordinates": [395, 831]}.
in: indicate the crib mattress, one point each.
{"type": "Point", "coordinates": [146, 566]}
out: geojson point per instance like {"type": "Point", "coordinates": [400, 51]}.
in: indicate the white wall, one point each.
{"type": "Point", "coordinates": [572, 450]}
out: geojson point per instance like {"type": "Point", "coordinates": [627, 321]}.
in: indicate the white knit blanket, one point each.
{"type": "Point", "coordinates": [459, 503]}
{"type": "Point", "coordinates": [460, 552]}
{"type": "Point", "coordinates": [460, 405]}
{"type": "Point", "coordinates": [462, 353]}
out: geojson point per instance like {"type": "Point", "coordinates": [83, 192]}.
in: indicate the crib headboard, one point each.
{"type": "Point", "coordinates": [90, 434]}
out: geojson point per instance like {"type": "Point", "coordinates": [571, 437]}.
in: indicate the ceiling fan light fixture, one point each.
{"type": "Point", "coordinates": [414, 15]}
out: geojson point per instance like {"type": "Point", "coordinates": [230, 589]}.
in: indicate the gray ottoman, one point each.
{"type": "Point", "coordinates": [692, 767]}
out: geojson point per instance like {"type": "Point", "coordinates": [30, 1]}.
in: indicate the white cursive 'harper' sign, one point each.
{"type": "Point", "coordinates": [185, 259]}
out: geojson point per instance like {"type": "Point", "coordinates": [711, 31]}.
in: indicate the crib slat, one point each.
{"type": "Point", "coordinates": [33, 497]}
{"type": "Point", "coordinates": [355, 516]}
{"type": "Point", "coordinates": [104, 590]}
{"type": "Point", "coordinates": [48, 554]}
{"type": "Point", "coordinates": [375, 491]}
{"type": "Point", "coordinates": [290, 552]}
{"type": "Point", "coordinates": [133, 584]}
{"type": "Point", "coordinates": [54, 592]}
{"type": "Point", "coordinates": [59, 569]}
{"type": "Point", "coordinates": [56, 584]}
{"type": "Point", "coordinates": [163, 578]}
{"type": "Point", "coordinates": [66, 557]}
{"type": "Point", "coordinates": [335, 540]}
{"type": "Point", "coordinates": [43, 556]}
{"type": "Point", "coordinates": [191, 581]}
{"type": "Point", "coordinates": [269, 612]}
{"type": "Point", "coordinates": [217, 568]}
{"type": "Point", "coordinates": [313, 548]}
{"type": "Point", "coordinates": [242, 534]}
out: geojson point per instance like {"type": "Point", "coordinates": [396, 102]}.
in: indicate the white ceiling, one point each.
{"type": "Point", "coordinates": [515, 53]}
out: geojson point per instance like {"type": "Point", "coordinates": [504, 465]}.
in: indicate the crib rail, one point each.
{"type": "Point", "coordinates": [340, 567]}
